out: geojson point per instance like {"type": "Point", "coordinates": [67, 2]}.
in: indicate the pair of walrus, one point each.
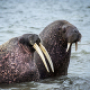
{"type": "Point", "coordinates": [19, 63]}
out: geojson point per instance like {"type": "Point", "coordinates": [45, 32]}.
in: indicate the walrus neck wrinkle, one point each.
{"type": "Point", "coordinates": [26, 51]}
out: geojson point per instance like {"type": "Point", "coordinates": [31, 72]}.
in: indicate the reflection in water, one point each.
{"type": "Point", "coordinates": [18, 17]}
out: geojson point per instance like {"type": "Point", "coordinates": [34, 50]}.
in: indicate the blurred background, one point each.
{"type": "Point", "coordinates": [18, 17]}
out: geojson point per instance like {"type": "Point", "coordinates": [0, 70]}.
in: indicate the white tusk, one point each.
{"type": "Point", "coordinates": [47, 56]}
{"type": "Point", "coordinates": [41, 55]}
{"type": "Point", "coordinates": [76, 46]}
{"type": "Point", "coordinates": [68, 46]}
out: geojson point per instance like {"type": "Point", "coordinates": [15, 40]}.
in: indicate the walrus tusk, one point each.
{"type": "Point", "coordinates": [68, 46]}
{"type": "Point", "coordinates": [47, 56]}
{"type": "Point", "coordinates": [76, 46]}
{"type": "Point", "coordinates": [37, 48]}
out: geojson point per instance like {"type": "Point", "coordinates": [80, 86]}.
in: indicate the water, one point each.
{"type": "Point", "coordinates": [18, 17]}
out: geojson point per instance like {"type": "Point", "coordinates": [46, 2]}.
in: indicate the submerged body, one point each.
{"type": "Point", "coordinates": [17, 62]}
{"type": "Point", "coordinates": [58, 38]}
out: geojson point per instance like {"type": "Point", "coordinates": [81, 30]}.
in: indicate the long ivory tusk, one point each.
{"type": "Point", "coordinates": [41, 55]}
{"type": "Point", "coordinates": [47, 56]}
{"type": "Point", "coordinates": [68, 46]}
{"type": "Point", "coordinates": [76, 46]}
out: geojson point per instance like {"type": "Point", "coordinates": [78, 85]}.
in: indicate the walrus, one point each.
{"type": "Point", "coordinates": [17, 63]}
{"type": "Point", "coordinates": [58, 38]}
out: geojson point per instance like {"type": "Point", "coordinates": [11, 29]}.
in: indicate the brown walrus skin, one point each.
{"type": "Point", "coordinates": [55, 37]}
{"type": "Point", "coordinates": [17, 62]}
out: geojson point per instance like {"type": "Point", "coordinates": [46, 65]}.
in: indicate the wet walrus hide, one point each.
{"type": "Point", "coordinates": [58, 38]}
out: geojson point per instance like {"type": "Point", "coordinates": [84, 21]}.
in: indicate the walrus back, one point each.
{"type": "Point", "coordinates": [15, 64]}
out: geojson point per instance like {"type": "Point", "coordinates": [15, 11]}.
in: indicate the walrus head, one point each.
{"type": "Point", "coordinates": [72, 35]}
{"type": "Point", "coordinates": [33, 42]}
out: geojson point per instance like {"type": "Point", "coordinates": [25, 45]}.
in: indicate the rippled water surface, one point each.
{"type": "Point", "coordinates": [18, 17]}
